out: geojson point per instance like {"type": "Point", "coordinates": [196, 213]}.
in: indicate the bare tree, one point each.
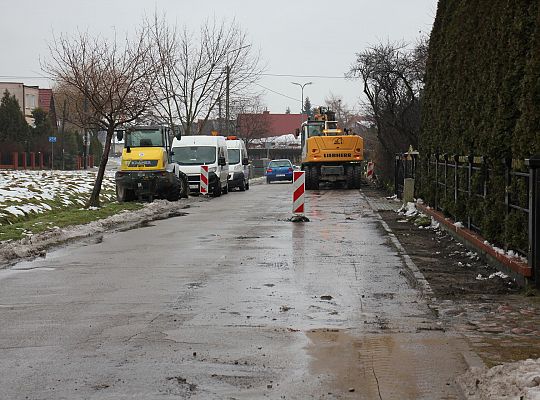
{"type": "Point", "coordinates": [107, 82]}
{"type": "Point", "coordinates": [344, 114]}
{"type": "Point", "coordinates": [193, 70]}
{"type": "Point", "coordinates": [392, 75]}
{"type": "Point", "coordinates": [252, 123]}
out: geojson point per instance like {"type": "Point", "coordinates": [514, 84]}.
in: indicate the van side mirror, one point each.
{"type": "Point", "coordinates": [178, 132]}
{"type": "Point", "coordinates": [222, 161]}
{"type": "Point", "coordinates": [119, 135]}
{"type": "Point", "coordinates": [245, 161]}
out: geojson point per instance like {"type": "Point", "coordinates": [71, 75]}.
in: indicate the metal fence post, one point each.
{"type": "Point", "coordinates": [445, 176]}
{"type": "Point", "coordinates": [456, 179]}
{"type": "Point", "coordinates": [436, 181]}
{"type": "Point", "coordinates": [470, 158]}
{"type": "Point", "coordinates": [534, 216]}
{"type": "Point", "coordinates": [396, 172]}
{"type": "Point", "coordinates": [507, 187]}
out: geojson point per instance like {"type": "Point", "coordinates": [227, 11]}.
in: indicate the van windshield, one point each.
{"type": "Point", "coordinates": [194, 155]}
{"type": "Point", "coordinates": [234, 156]}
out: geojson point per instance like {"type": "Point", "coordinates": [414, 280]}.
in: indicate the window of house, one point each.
{"type": "Point", "coordinates": [30, 101]}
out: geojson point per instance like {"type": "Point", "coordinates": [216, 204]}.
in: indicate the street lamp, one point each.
{"type": "Point", "coordinates": [302, 86]}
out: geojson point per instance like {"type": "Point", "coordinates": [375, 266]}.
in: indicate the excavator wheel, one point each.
{"type": "Point", "coordinates": [350, 177]}
{"type": "Point", "coordinates": [184, 189]}
{"type": "Point", "coordinates": [176, 190]}
{"type": "Point", "coordinates": [123, 195]}
{"type": "Point", "coordinates": [357, 176]}
{"type": "Point", "coordinates": [312, 178]}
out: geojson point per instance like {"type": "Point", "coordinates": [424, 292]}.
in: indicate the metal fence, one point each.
{"type": "Point", "coordinates": [463, 186]}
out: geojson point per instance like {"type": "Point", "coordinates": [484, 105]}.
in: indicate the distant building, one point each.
{"type": "Point", "coordinates": [27, 96]}
{"type": "Point", "coordinates": [46, 103]}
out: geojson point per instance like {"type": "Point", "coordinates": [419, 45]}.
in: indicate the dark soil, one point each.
{"type": "Point", "coordinates": [450, 268]}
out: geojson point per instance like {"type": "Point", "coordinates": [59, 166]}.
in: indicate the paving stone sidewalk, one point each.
{"type": "Point", "coordinates": [500, 319]}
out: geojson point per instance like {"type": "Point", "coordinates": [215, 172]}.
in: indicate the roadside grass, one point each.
{"type": "Point", "coordinates": [61, 217]}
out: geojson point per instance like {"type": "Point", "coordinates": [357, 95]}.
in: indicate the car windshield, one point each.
{"type": "Point", "coordinates": [234, 156]}
{"type": "Point", "coordinates": [280, 163]}
{"type": "Point", "coordinates": [194, 155]}
{"type": "Point", "coordinates": [144, 138]}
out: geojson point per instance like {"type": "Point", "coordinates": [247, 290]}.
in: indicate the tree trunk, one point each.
{"type": "Point", "coordinates": [93, 201]}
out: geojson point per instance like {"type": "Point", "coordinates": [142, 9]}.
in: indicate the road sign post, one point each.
{"type": "Point", "coordinates": [52, 140]}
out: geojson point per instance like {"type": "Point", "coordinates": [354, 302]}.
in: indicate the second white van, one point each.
{"type": "Point", "coordinates": [191, 152]}
{"type": "Point", "coordinates": [238, 164]}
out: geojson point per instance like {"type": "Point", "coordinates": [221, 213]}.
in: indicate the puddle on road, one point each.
{"type": "Point", "coordinates": [382, 366]}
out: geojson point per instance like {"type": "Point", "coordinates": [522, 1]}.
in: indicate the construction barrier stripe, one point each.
{"type": "Point", "coordinates": [370, 166]}
{"type": "Point", "coordinates": [299, 180]}
{"type": "Point", "coordinates": [204, 179]}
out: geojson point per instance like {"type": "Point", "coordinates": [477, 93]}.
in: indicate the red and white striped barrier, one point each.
{"type": "Point", "coordinates": [370, 167]}
{"type": "Point", "coordinates": [204, 179]}
{"type": "Point", "coordinates": [299, 180]}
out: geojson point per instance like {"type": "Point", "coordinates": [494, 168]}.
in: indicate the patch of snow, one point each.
{"type": "Point", "coordinates": [515, 254]}
{"type": "Point", "coordinates": [499, 274]}
{"type": "Point", "coordinates": [499, 250]}
{"type": "Point", "coordinates": [14, 211]}
{"type": "Point", "coordinates": [480, 277]}
{"type": "Point", "coordinates": [518, 380]}
{"type": "Point", "coordinates": [23, 191]}
{"type": "Point", "coordinates": [409, 210]}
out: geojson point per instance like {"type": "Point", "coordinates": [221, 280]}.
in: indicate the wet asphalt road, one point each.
{"type": "Point", "coordinates": [230, 301]}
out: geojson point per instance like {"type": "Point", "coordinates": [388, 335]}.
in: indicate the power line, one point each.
{"type": "Point", "coordinates": [22, 77]}
{"type": "Point", "coordinates": [273, 91]}
{"type": "Point", "coordinates": [262, 74]}
{"type": "Point", "coordinates": [307, 76]}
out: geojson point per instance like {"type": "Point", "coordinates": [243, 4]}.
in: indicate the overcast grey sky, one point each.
{"type": "Point", "coordinates": [295, 37]}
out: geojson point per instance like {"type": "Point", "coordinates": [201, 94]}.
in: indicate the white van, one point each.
{"type": "Point", "coordinates": [190, 152]}
{"type": "Point", "coordinates": [238, 164]}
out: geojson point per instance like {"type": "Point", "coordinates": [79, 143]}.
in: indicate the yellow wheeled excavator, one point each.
{"type": "Point", "coordinates": [329, 153]}
{"type": "Point", "coordinates": [146, 170]}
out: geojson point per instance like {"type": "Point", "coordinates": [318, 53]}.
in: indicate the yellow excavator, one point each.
{"type": "Point", "coordinates": [146, 170]}
{"type": "Point", "coordinates": [329, 153]}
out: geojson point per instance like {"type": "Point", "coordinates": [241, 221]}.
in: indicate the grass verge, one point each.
{"type": "Point", "coordinates": [61, 218]}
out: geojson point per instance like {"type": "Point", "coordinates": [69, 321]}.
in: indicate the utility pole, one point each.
{"type": "Point", "coordinates": [85, 132]}
{"type": "Point", "coordinates": [220, 122]}
{"type": "Point", "coordinates": [227, 89]}
{"type": "Point", "coordinates": [63, 134]}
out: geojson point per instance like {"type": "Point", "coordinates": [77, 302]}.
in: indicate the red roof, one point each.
{"type": "Point", "coordinates": [268, 125]}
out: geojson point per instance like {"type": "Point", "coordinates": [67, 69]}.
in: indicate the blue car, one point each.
{"type": "Point", "coordinates": [279, 170]}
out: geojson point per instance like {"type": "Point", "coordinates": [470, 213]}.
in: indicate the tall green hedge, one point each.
{"type": "Point", "coordinates": [482, 95]}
